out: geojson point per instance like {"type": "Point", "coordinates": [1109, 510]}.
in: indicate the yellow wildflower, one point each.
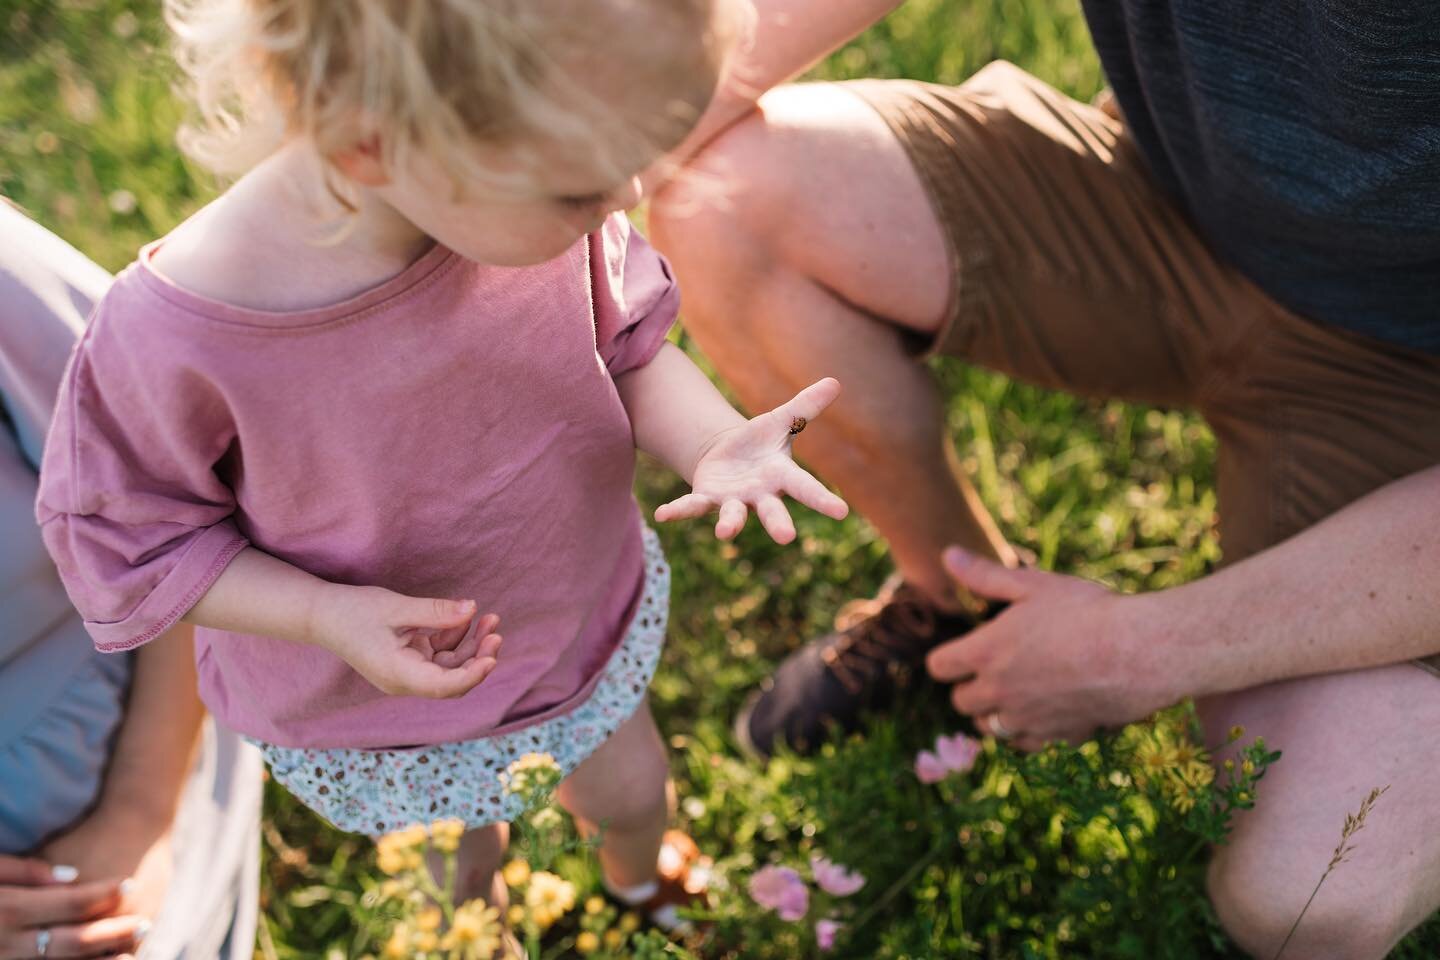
{"type": "Point", "coordinates": [476, 927]}
{"type": "Point", "coordinates": [531, 775]}
{"type": "Point", "coordinates": [446, 834]}
{"type": "Point", "coordinates": [1198, 773]}
{"type": "Point", "coordinates": [1154, 761]}
{"type": "Point", "coordinates": [549, 898]}
{"type": "Point", "coordinates": [1247, 768]}
{"type": "Point", "coordinates": [546, 818]}
{"type": "Point", "coordinates": [587, 943]}
{"type": "Point", "coordinates": [516, 873]}
{"type": "Point", "coordinates": [614, 939]}
{"type": "Point", "coordinates": [428, 919]}
{"type": "Point", "coordinates": [1183, 799]}
{"type": "Point", "coordinates": [392, 889]}
{"type": "Point", "coordinates": [1183, 754]}
{"type": "Point", "coordinates": [398, 946]}
{"type": "Point", "coordinates": [1236, 732]}
{"type": "Point", "coordinates": [392, 861]}
{"type": "Point", "coordinates": [400, 851]}
{"type": "Point", "coordinates": [595, 906]}
{"type": "Point", "coordinates": [425, 942]}
{"type": "Point", "coordinates": [630, 923]}
{"type": "Point", "coordinates": [516, 915]}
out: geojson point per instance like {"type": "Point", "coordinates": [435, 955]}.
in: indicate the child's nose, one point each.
{"type": "Point", "coordinates": [626, 197]}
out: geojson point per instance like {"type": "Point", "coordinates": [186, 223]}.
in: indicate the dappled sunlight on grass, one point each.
{"type": "Point", "coordinates": [1058, 855]}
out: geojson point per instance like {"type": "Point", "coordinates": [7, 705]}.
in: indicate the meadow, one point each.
{"type": "Point", "coordinates": [1071, 853]}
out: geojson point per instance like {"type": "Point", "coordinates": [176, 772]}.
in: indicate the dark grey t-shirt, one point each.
{"type": "Point", "coordinates": [1303, 139]}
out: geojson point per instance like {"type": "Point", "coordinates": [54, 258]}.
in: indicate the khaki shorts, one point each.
{"type": "Point", "coordinates": [1072, 271]}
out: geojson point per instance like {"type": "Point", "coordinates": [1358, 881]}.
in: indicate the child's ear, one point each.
{"type": "Point", "coordinates": [362, 163]}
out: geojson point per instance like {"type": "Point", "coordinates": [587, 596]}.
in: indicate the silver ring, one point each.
{"type": "Point", "coordinates": [997, 729]}
{"type": "Point", "coordinates": [42, 942]}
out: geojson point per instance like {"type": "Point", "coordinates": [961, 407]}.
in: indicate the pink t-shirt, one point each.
{"type": "Point", "coordinates": [455, 432]}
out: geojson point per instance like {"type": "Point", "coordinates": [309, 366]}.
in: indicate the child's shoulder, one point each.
{"type": "Point", "coordinates": [224, 254]}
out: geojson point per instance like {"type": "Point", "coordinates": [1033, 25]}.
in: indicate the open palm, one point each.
{"type": "Point", "coordinates": [750, 467]}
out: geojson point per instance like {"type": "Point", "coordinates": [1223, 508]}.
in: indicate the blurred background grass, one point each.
{"type": "Point", "coordinates": [1109, 490]}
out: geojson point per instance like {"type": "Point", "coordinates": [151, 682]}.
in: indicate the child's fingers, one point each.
{"type": "Point", "coordinates": [452, 638]}
{"type": "Point", "coordinates": [775, 518]}
{"type": "Point", "coordinates": [475, 645]}
{"type": "Point", "coordinates": [808, 403]}
{"type": "Point", "coordinates": [428, 679]}
{"type": "Point", "coordinates": [490, 645]}
{"type": "Point", "coordinates": [732, 519]}
{"type": "Point", "coordinates": [433, 613]}
{"type": "Point", "coordinates": [688, 507]}
{"type": "Point", "coordinates": [422, 640]}
{"type": "Point", "coordinates": [812, 493]}
{"type": "Point", "coordinates": [466, 649]}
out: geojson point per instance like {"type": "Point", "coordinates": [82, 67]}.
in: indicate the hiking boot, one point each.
{"type": "Point", "coordinates": [877, 650]}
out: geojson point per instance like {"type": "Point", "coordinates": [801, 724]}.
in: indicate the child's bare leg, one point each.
{"type": "Point", "coordinates": [477, 865]}
{"type": "Point", "coordinates": [624, 788]}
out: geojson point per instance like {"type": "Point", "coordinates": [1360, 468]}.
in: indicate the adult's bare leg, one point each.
{"type": "Point", "coordinates": [1341, 735]}
{"type": "Point", "coordinates": [807, 247]}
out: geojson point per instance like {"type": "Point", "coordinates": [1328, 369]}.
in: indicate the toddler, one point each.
{"type": "Point", "coordinates": [384, 394]}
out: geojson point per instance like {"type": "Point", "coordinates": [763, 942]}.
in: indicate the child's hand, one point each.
{"type": "Point", "coordinates": [750, 467]}
{"type": "Point", "coordinates": [407, 646]}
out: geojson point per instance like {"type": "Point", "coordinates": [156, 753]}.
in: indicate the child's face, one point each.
{"type": "Point", "coordinates": [557, 196]}
{"type": "Point", "coordinates": [549, 189]}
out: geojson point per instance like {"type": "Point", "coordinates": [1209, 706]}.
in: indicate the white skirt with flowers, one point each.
{"type": "Point", "coordinates": [379, 791]}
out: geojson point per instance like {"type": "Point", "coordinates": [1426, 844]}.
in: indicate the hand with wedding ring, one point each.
{"type": "Point", "coordinates": [45, 912]}
{"type": "Point", "coordinates": [996, 729]}
{"type": "Point", "coordinates": [1066, 658]}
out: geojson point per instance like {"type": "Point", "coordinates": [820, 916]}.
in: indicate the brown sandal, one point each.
{"type": "Point", "coordinates": [684, 882]}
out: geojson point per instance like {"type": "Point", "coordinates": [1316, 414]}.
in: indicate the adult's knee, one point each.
{"type": "Point", "coordinates": [729, 188]}
{"type": "Point", "coordinates": [718, 221]}
{"type": "Point", "coordinates": [1259, 917]}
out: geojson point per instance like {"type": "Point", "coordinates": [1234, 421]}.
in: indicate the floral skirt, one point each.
{"type": "Point", "coordinates": [379, 791]}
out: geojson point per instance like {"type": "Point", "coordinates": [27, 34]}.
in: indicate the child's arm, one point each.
{"type": "Point", "coordinates": [732, 464]}
{"type": "Point", "coordinates": [405, 646]}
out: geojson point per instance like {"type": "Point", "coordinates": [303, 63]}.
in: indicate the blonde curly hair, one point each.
{"type": "Point", "coordinates": [441, 76]}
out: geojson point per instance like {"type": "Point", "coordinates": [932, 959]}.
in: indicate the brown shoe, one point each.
{"type": "Point", "coordinates": [876, 650]}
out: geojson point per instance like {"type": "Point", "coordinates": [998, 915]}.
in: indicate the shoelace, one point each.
{"type": "Point", "coordinates": [872, 645]}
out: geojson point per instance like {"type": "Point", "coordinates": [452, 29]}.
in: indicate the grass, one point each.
{"type": "Point", "coordinates": [1014, 865]}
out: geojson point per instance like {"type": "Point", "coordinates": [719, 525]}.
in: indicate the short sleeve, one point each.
{"type": "Point", "coordinates": [131, 506]}
{"type": "Point", "coordinates": [635, 295]}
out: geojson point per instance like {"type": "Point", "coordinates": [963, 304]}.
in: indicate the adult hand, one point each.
{"type": "Point", "coordinates": [114, 842]}
{"type": "Point", "coordinates": [41, 915]}
{"type": "Point", "coordinates": [1067, 656]}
